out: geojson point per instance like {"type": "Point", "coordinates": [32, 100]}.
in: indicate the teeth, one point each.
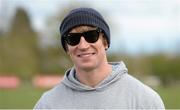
{"type": "Point", "coordinates": [86, 55]}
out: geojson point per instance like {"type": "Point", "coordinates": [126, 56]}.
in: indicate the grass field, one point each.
{"type": "Point", "coordinates": [26, 96]}
{"type": "Point", "coordinates": [170, 96]}
{"type": "Point", "coordinates": [22, 98]}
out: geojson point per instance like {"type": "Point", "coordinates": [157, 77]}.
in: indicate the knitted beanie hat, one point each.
{"type": "Point", "coordinates": [83, 16]}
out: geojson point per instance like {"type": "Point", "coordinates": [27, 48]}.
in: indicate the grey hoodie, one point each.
{"type": "Point", "coordinates": [118, 91]}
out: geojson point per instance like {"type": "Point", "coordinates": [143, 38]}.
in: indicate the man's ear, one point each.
{"type": "Point", "coordinates": [105, 42]}
{"type": "Point", "coordinates": [67, 50]}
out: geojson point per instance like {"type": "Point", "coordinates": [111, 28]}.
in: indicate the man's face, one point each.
{"type": "Point", "coordinates": [87, 56]}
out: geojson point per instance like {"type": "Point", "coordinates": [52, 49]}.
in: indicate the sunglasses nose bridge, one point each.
{"type": "Point", "coordinates": [83, 43]}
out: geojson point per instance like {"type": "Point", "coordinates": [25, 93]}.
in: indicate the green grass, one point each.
{"type": "Point", "coordinates": [26, 96]}
{"type": "Point", "coordinates": [171, 96]}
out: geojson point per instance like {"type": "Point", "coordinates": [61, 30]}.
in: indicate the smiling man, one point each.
{"type": "Point", "coordinates": [93, 82]}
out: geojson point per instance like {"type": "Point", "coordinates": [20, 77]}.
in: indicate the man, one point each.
{"type": "Point", "coordinates": [93, 83]}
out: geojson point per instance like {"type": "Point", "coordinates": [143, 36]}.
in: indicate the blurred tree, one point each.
{"type": "Point", "coordinates": [19, 48]}
{"type": "Point", "coordinates": [167, 68]}
{"type": "Point", "coordinates": [54, 61]}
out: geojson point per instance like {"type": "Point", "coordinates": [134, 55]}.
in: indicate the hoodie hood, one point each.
{"type": "Point", "coordinates": [118, 69]}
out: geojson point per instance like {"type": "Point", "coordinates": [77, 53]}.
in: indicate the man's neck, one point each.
{"type": "Point", "coordinates": [94, 77]}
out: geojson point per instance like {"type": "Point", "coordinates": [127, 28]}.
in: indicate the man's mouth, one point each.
{"type": "Point", "coordinates": [84, 55]}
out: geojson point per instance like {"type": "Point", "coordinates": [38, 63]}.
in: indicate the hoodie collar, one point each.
{"type": "Point", "coordinates": [118, 69]}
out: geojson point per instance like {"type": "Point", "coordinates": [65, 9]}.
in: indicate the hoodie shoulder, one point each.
{"type": "Point", "coordinates": [145, 96]}
{"type": "Point", "coordinates": [52, 97]}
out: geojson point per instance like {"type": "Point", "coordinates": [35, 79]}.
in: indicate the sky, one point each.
{"type": "Point", "coordinates": [136, 25]}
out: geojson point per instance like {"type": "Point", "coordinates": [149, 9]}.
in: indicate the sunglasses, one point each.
{"type": "Point", "coordinates": [90, 36]}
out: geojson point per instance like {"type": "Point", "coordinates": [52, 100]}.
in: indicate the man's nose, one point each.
{"type": "Point", "coordinates": [83, 44]}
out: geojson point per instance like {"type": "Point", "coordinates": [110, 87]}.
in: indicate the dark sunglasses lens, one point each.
{"type": "Point", "coordinates": [73, 39]}
{"type": "Point", "coordinates": [91, 36]}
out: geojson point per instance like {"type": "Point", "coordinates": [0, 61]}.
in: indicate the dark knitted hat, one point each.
{"type": "Point", "coordinates": [84, 16]}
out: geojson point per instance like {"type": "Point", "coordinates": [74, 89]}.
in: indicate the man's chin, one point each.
{"type": "Point", "coordinates": [87, 67]}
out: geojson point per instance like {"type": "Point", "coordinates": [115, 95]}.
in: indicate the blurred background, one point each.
{"type": "Point", "coordinates": [145, 34]}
